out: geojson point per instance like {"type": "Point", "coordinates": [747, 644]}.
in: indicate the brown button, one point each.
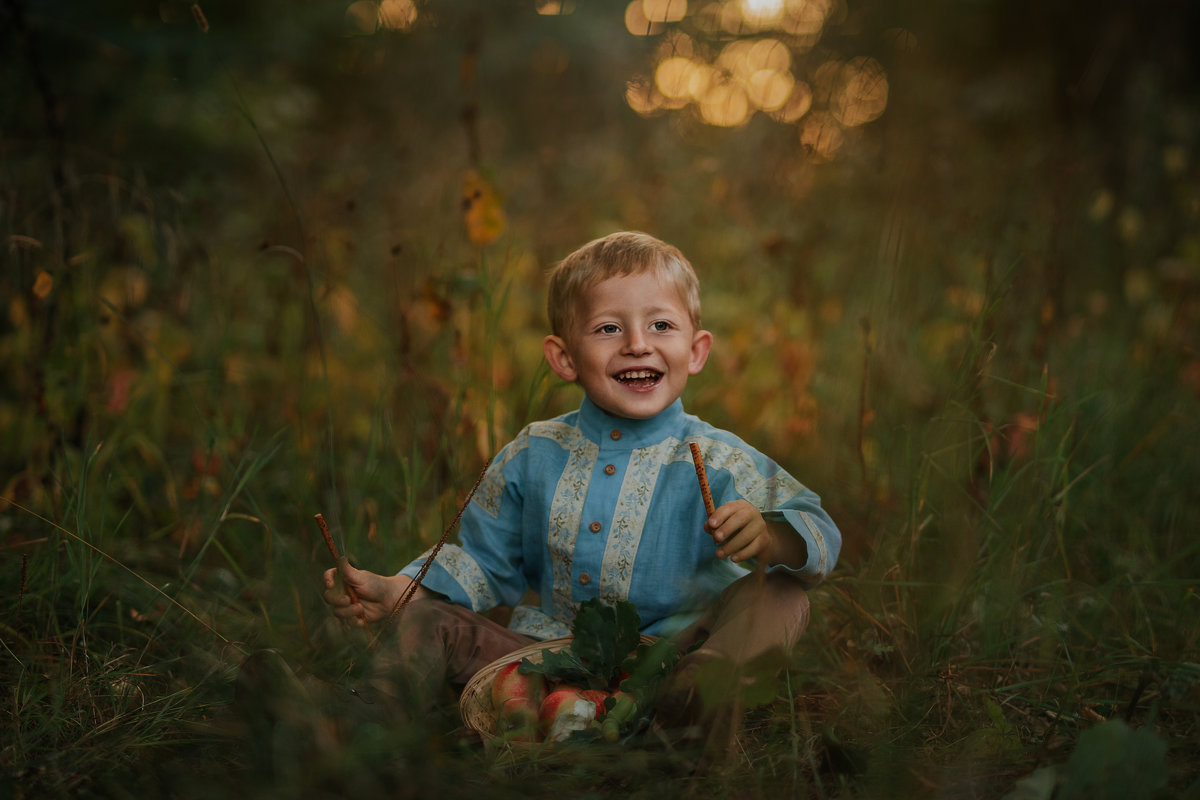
{"type": "Point", "coordinates": [585, 579]}
{"type": "Point", "coordinates": [609, 469]}
{"type": "Point", "coordinates": [594, 527]}
{"type": "Point", "coordinates": [615, 435]}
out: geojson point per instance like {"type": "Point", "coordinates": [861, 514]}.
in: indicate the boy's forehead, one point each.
{"type": "Point", "coordinates": [649, 287]}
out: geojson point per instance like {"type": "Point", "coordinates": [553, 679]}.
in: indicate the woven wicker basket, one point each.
{"type": "Point", "coordinates": [475, 704]}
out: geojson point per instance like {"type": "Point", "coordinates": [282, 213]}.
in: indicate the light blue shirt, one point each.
{"type": "Point", "coordinates": [591, 505]}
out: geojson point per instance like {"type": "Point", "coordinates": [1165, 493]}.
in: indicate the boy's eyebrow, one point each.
{"type": "Point", "coordinates": [654, 311]}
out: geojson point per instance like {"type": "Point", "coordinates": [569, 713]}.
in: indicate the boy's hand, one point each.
{"type": "Point", "coordinates": [741, 533]}
{"type": "Point", "coordinates": [377, 594]}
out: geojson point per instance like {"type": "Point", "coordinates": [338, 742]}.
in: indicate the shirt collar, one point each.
{"type": "Point", "coordinates": [627, 434]}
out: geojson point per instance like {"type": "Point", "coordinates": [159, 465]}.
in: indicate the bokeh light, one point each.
{"type": "Point", "coordinates": [861, 94]}
{"type": "Point", "coordinates": [673, 77]}
{"type": "Point", "coordinates": [770, 89]}
{"type": "Point", "coordinates": [637, 23]}
{"type": "Point", "coordinates": [821, 135]}
{"type": "Point", "coordinates": [799, 101]}
{"type": "Point", "coordinates": [643, 97]}
{"type": "Point", "coordinates": [732, 58]}
{"type": "Point", "coordinates": [664, 10]}
{"type": "Point", "coordinates": [554, 8]}
{"type": "Point", "coordinates": [363, 17]}
{"type": "Point", "coordinates": [366, 17]}
{"type": "Point", "coordinates": [809, 17]}
{"type": "Point", "coordinates": [397, 15]}
{"type": "Point", "coordinates": [725, 104]}
{"type": "Point", "coordinates": [727, 60]}
{"type": "Point", "coordinates": [762, 13]}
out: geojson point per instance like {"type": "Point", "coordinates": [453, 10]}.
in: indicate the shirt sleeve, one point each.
{"type": "Point", "coordinates": [738, 471]}
{"type": "Point", "coordinates": [485, 569]}
{"type": "Point", "coordinates": [821, 536]}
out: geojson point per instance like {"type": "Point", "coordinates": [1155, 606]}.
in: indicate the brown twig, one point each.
{"type": "Point", "coordinates": [337, 564]}
{"type": "Point", "coordinates": [702, 476]}
{"type": "Point", "coordinates": [416, 583]}
{"type": "Point", "coordinates": [337, 558]}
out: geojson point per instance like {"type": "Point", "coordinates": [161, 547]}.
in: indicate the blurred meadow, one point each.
{"type": "Point", "coordinates": [264, 260]}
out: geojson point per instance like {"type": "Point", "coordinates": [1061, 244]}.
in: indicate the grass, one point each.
{"type": "Point", "coordinates": [1003, 591]}
{"type": "Point", "coordinates": [213, 363]}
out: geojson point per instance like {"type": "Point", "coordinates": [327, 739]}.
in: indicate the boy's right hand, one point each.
{"type": "Point", "coordinates": [378, 595]}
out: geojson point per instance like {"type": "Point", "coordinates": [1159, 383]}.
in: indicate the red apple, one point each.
{"type": "Point", "coordinates": [510, 684]}
{"type": "Point", "coordinates": [518, 718]}
{"type": "Point", "coordinates": [597, 696]}
{"type": "Point", "coordinates": [565, 711]}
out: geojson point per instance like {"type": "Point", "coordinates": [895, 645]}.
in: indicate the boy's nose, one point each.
{"type": "Point", "coordinates": [635, 343]}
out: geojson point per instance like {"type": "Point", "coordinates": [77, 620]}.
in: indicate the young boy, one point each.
{"type": "Point", "coordinates": [604, 501]}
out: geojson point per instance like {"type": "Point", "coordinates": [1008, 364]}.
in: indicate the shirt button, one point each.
{"type": "Point", "coordinates": [594, 527]}
{"type": "Point", "coordinates": [585, 579]}
{"type": "Point", "coordinates": [609, 469]}
{"type": "Point", "coordinates": [616, 435]}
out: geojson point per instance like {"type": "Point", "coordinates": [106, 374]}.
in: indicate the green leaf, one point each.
{"type": "Point", "coordinates": [647, 668]}
{"type": "Point", "coordinates": [561, 665]}
{"type": "Point", "coordinates": [604, 635]}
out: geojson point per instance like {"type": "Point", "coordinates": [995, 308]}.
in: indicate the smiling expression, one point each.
{"type": "Point", "coordinates": [632, 345]}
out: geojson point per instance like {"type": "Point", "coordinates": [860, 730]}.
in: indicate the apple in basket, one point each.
{"type": "Point", "coordinates": [516, 697]}
{"type": "Point", "coordinates": [569, 709]}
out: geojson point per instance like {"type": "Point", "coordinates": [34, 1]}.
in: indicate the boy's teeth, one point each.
{"type": "Point", "coordinates": [638, 375]}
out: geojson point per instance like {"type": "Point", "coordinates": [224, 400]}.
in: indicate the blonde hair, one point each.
{"type": "Point", "coordinates": [623, 253]}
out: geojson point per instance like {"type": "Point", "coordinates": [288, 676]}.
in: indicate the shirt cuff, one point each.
{"type": "Point", "coordinates": [820, 554]}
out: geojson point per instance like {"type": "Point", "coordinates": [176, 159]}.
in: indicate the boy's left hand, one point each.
{"type": "Point", "coordinates": [740, 532]}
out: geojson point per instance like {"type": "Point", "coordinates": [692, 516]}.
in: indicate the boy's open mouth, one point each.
{"type": "Point", "coordinates": [639, 378]}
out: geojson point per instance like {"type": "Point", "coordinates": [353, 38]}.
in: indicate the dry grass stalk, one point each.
{"type": "Point", "coordinates": [416, 583]}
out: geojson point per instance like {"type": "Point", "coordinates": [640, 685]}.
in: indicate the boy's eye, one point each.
{"type": "Point", "coordinates": [661, 326]}
{"type": "Point", "coordinates": [609, 328]}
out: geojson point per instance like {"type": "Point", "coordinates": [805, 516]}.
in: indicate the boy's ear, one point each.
{"type": "Point", "coordinates": [701, 344]}
{"type": "Point", "coordinates": [559, 358]}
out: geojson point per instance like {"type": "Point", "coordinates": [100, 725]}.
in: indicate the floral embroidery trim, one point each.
{"type": "Point", "coordinates": [491, 490]}
{"type": "Point", "coordinates": [566, 509]}
{"type": "Point", "coordinates": [536, 623]}
{"type": "Point", "coordinates": [629, 517]}
{"type": "Point", "coordinates": [467, 574]}
{"type": "Point", "coordinates": [765, 493]}
{"type": "Point", "coordinates": [822, 548]}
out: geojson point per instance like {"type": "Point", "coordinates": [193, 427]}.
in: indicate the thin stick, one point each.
{"type": "Point", "coordinates": [702, 476]}
{"type": "Point", "coordinates": [416, 583]}
{"type": "Point", "coordinates": [337, 564]}
{"type": "Point", "coordinates": [337, 558]}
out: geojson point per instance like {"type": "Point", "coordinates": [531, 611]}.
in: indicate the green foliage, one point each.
{"type": "Point", "coordinates": [604, 637]}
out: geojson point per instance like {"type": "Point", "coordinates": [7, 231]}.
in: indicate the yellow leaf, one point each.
{"type": "Point", "coordinates": [42, 284]}
{"type": "Point", "coordinates": [481, 210]}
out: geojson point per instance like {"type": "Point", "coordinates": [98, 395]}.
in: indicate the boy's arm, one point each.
{"type": "Point", "coordinates": [742, 533]}
{"type": "Point", "coordinates": [797, 535]}
{"type": "Point", "coordinates": [485, 568]}
{"type": "Point", "coordinates": [378, 595]}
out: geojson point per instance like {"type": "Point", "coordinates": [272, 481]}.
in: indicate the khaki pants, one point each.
{"type": "Point", "coordinates": [438, 642]}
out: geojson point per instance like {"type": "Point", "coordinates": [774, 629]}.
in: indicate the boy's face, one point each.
{"type": "Point", "coordinates": [631, 347]}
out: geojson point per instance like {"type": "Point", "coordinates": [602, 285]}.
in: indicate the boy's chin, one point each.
{"type": "Point", "coordinates": [642, 410]}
